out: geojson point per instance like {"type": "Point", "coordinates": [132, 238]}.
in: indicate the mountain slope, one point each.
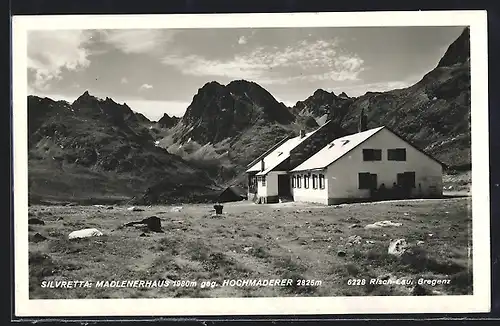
{"type": "Point", "coordinates": [104, 142]}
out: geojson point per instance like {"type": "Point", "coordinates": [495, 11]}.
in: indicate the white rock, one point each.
{"type": "Point", "coordinates": [85, 233]}
{"type": "Point", "coordinates": [135, 209]}
{"type": "Point", "coordinates": [381, 224]}
{"type": "Point", "coordinates": [354, 239]}
{"type": "Point", "coordinates": [176, 209]}
{"type": "Point", "coordinates": [397, 247]}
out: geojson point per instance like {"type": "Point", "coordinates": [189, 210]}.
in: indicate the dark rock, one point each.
{"type": "Point", "coordinates": [34, 221]}
{"type": "Point", "coordinates": [384, 277]}
{"type": "Point", "coordinates": [152, 223]}
{"type": "Point", "coordinates": [421, 290]}
{"type": "Point", "coordinates": [37, 237]}
{"type": "Point", "coordinates": [110, 207]}
{"type": "Point", "coordinates": [341, 253]}
{"type": "Point", "coordinates": [356, 225]}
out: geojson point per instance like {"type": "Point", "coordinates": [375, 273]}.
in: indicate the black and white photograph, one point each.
{"type": "Point", "coordinates": [251, 162]}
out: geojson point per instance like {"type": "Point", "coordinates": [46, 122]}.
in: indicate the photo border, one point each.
{"type": "Point", "coordinates": [480, 301]}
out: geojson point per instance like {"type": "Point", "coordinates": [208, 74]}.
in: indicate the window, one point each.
{"type": "Point", "coordinates": [306, 181]}
{"type": "Point", "coordinates": [321, 181]}
{"type": "Point", "coordinates": [396, 154]}
{"type": "Point", "coordinates": [372, 154]}
{"type": "Point", "coordinates": [294, 181]}
{"type": "Point", "coordinates": [315, 181]}
{"type": "Point", "coordinates": [367, 180]}
{"type": "Point", "coordinates": [263, 181]}
{"type": "Point", "coordinates": [299, 181]}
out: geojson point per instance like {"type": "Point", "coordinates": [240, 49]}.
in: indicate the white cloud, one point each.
{"type": "Point", "coordinates": [242, 40]}
{"type": "Point", "coordinates": [124, 80]}
{"type": "Point", "coordinates": [138, 40]}
{"type": "Point", "coordinates": [146, 86]}
{"type": "Point", "coordinates": [304, 61]}
{"type": "Point", "coordinates": [50, 52]}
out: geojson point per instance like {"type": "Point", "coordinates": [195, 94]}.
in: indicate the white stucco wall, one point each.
{"type": "Point", "coordinates": [343, 175]}
{"type": "Point", "coordinates": [261, 190]}
{"type": "Point", "coordinates": [311, 195]}
{"type": "Point", "coordinates": [271, 187]}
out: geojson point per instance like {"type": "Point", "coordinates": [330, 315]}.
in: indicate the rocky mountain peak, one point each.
{"type": "Point", "coordinates": [322, 92]}
{"type": "Point", "coordinates": [168, 121]}
{"type": "Point", "coordinates": [458, 51]}
{"type": "Point", "coordinates": [218, 112]}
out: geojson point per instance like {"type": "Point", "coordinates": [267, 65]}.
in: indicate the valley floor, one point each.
{"type": "Point", "coordinates": [327, 245]}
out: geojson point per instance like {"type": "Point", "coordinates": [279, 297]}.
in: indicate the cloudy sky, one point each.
{"type": "Point", "coordinates": [157, 71]}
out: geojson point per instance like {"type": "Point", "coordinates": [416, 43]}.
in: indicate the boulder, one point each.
{"type": "Point", "coordinates": [85, 233]}
{"type": "Point", "coordinates": [135, 209]}
{"type": "Point", "coordinates": [353, 239]}
{"type": "Point", "coordinates": [397, 247]}
{"type": "Point", "coordinates": [152, 223]}
{"type": "Point", "coordinates": [37, 237]}
{"type": "Point", "coordinates": [36, 221]}
{"type": "Point", "coordinates": [382, 224]}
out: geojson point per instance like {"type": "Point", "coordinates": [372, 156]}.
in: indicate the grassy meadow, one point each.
{"type": "Point", "coordinates": [328, 245]}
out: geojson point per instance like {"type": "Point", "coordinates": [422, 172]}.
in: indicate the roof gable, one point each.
{"type": "Point", "coordinates": [281, 153]}
{"type": "Point", "coordinates": [341, 146]}
{"type": "Point", "coordinates": [335, 150]}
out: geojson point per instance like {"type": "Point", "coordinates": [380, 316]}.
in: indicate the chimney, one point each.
{"type": "Point", "coordinates": [262, 165]}
{"type": "Point", "coordinates": [362, 124]}
{"type": "Point", "coordinates": [302, 133]}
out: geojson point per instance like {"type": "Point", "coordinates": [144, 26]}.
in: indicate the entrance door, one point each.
{"type": "Point", "coordinates": [284, 185]}
{"type": "Point", "coordinates": [406, 182]}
